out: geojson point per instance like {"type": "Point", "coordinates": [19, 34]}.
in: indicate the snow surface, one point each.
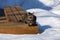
{"type": "Point", "coordinates": [19, 37]}
{"type": "Point", "coordinates": [56, 10]}
{"type": "Point", "coordinates": [51, 3]}
{"type": "Point", "coordinates": [48, 20]}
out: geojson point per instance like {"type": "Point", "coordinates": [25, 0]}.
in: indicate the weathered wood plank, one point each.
{"type": "Point", "coordinates": [16, 28]}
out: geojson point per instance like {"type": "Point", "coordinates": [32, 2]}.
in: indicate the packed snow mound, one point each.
{"type": "Point", "coordinates": [51, 3]}
{"type": "Point", "coordinates": [19, 37]}
{"type": "Point", "coordinates": [47, 2]}
{"type": "Point", "coordinates": [51, 34]}
{"type": "Point", "coordinates": [56, 7]}
{"type": "Point", "coordinates": [35, 10]}
{"type": "Point", "coordinates": [56, 10]}
{"type": "Point", "coordinates": [41, 12]}
{"type": "Point", "coordinates": [54, 22]}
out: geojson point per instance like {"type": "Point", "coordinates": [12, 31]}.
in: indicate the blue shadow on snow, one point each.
{"type": "Point", "coordinates": [43, 28]}
{"type": "Point", "coordinates": [26, 4]}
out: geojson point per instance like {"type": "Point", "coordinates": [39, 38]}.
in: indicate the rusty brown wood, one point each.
{"type": "Point", "coordinates": [16, 28]}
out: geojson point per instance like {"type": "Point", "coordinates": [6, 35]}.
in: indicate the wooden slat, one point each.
{"type": "Point", "coordinates": [7, 18]}
{"type": "Point", "coordinates": [16, 28]}
{"type": "Point", "coordinates": [13, 13]}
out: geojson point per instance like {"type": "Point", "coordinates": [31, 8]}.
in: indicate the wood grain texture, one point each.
{"type": "Point", "coordinates": [16, 28]}
{"type": "Point", "coordinates": [13, 13]}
